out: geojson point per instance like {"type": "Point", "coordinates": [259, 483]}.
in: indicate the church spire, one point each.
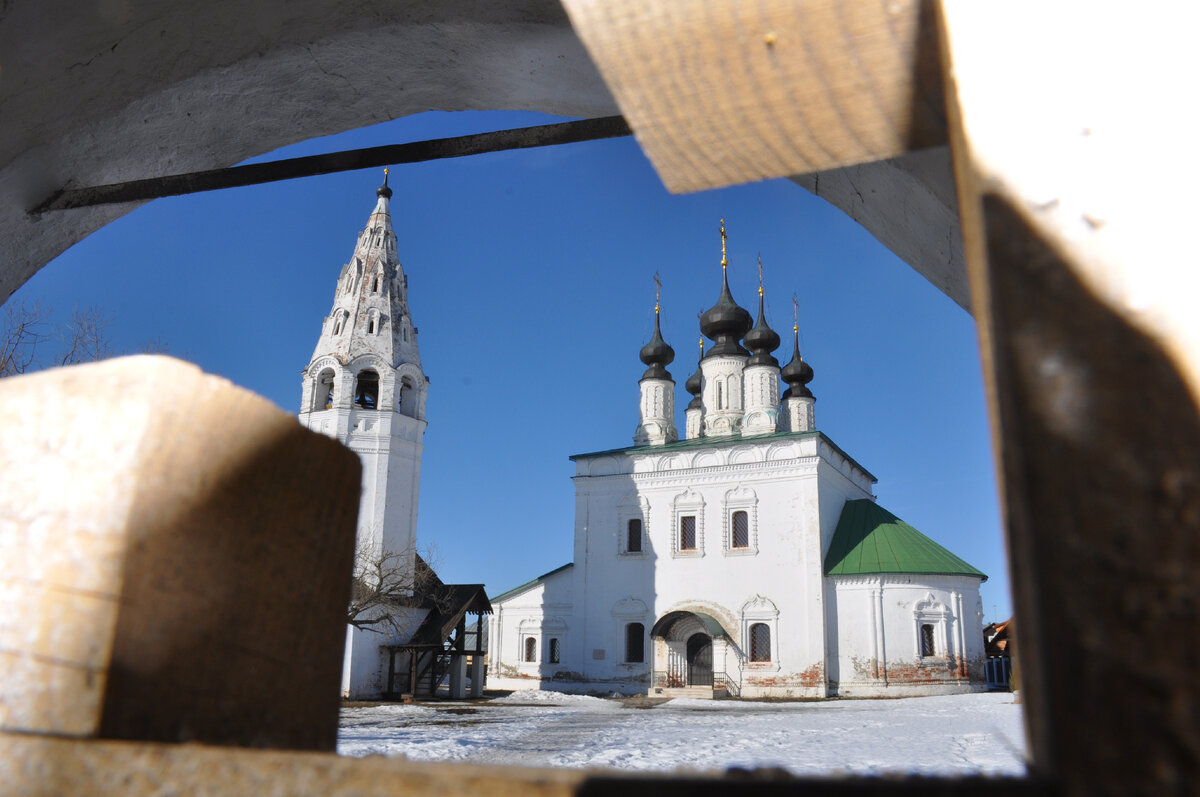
{"type": "Point", "coordinates": [369, 330]}
{"type": "Point", "coordinates": [761, 376]}
{"type": "Point", "coordinates": [796, 414]}
{"type": "Point", "coordinates": [656, 423]}
{"type": "Point", "coordinates": [724, 323]}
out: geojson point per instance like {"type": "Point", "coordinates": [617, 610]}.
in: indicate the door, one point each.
{"type": "Point", "coordinates": [699, 659]}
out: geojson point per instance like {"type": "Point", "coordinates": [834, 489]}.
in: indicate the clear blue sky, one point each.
{"type": "Point", "coordinates": [531, 281]}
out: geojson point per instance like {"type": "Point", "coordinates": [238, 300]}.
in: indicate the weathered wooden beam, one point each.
{"type": "Point", "coordinates": [174, 559]}
{"type": "Point", "coordinates": [721, 92]}
{"type": "Point", "coordinates": [1091, 354]}
{"type": "Point", "coordinates": [328, 163]}
{"type": "Point", "coordinates": [31, 766]}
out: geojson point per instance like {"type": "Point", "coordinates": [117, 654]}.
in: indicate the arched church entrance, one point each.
{"type": "Point", "coordinates": [699, 660]}
{"type": "Point", "coordinates": [689, 650]}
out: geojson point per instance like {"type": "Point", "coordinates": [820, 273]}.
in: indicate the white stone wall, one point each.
{"type": "Point", "coordinates": [847, 636]}
{"type": "Point", "coordinates": [542, 611]}
{"type": "Point", "coordinates": [876, 649]}
{"type": "Point", "coordinates": [781, 484]}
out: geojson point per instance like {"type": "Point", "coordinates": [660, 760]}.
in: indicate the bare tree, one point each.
{"type": "Point", "coordinates": [24, 329]}
{"type": "Point", "coordinates": [386, 583]}
{"type": "Point", "coordinates": [27, 328]}
{"type": "Point", "coordinates": [85, 339]}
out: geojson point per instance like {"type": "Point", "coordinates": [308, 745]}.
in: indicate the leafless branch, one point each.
{"type": "Point", "coordinates": [85, 338]}
{"type": "Point", "coordinates": [386, 582]}
{"type": "Point", "coordinates": [24, 328]}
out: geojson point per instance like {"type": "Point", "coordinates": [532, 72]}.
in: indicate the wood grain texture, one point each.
{"type": "Point", "coordinates": [174, 559]}
{"type": "Point", "coordinates": [1091, 373]}
{"type": "Point", "coordinates": [721, 91]}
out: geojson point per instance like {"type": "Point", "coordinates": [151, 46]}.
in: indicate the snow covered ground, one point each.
{"type": "Point", "coordinates": [960, 734]}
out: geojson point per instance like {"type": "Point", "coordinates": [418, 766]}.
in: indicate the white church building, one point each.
{"type": "Point", "coordinates": [366, 388]}
{"type": "Point", "coordinates": [747, 559]}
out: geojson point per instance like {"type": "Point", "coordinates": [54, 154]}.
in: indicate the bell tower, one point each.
{"type": "Point", "coordinates": [364, 386]}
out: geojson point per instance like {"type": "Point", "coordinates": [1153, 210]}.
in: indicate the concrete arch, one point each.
{"type": "Point", "coordinates": [108, 92]}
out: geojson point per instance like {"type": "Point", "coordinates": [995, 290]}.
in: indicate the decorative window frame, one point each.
{"type": "Point", "coordinates": [689, 502]}
{"type": "Point", "coordinates": [746, 500]}
{"type": "Point", "coordinates": [930, 611]}
{"type": "Point", "coordinates": [763, 610]}
{"type": "Point", "coordinates": [625, 611]}
{"type": "Point", "coordinates": [634, 507]}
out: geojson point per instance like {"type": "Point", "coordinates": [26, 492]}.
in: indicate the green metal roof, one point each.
{"type": "Point", "coordinates": [870, 539]}
{"type": "Point", "coordinates": [532, 582]}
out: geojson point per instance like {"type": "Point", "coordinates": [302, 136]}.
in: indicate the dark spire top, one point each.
{"type": "Point", "coordinates": [657, 354]}
{"type": "Point", "coordinates": [762, 340]}
{"type": "Point", "coordinates": [383, 190]}
{"type": "Point", "coordinates": [725, 322]}
{"type": "Point", "coordinates": [694, 383]}
{"type": "Point", "coordinates": [797, 373]}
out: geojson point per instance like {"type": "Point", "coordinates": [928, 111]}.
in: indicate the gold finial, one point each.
{"type": "Point", "coordinates": [385, 172]}
{"type": "Point", "coordinates": [657, 291]}
{"type": "Point", "coordinates": [701, 346]}
{"type": "Point", "coordinates": [724, 260]}
{"type": "Point", "coordinates": [795, 314]}
{"type": "Point", "coordinates": [760, 288]}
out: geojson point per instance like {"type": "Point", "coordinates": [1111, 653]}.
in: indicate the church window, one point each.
{"type": "Point", "coordinates": [366, 390]}
{"type": "Point", "coordinates": [741, 529]}
{"type": "Point", "coordinates": [530, 649]}
{"type": "Point", "coordinates": [324, 390]}
{"type": "Point", "coordinates": [339, 322]}
{"type": "Point", "coordinates": [687, 533]}
{"type": "Point", "coordinates": [927, 648]}
{"type": "Point", "coordinates": [555, 651]}
{"type": "Point", "coordinates": [635, 643]}
{"type": "Point", "coordinates": [633, 536]}
{"type": "Point", "coordinates": [372, 324]}
{"type": "Point", "coordinates": [760, 642]}
{"type": "Point", "coordinates": [375, 284]}
{"type": "Point", "coordinates": [720, 396]}
{"type": "Point", "coordinates": [406, 401]}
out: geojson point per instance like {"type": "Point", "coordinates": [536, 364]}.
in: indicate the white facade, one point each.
{"type": "Point", "coordinates": [705, 564]}
{"type": "Point", "coordinates": [364, 386]}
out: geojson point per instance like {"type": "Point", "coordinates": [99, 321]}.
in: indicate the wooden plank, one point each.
{"type": "Point", "coordinates": [174, 559]}
{"type": "Point", "coordinates": [721, 91]}
{"type": "Point", "coordinates": [1091, 354]}
{"type": "Point", "coordinates": [34, 766]}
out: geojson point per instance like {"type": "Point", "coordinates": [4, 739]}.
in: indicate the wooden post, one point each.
{"type": "Point", "coordinates": [176, 560]}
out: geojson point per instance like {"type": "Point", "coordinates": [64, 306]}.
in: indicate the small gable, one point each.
{"type": "Point", "coordinates": [870, 539]}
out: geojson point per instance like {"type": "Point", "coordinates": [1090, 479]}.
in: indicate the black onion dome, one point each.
{"type": "Point", "coordinates": [797, 374]}
{"type": "Point", "coordinates": [695, 383]}
{"type": "Point", "coordinates": [657, 354]}
{"type": "Point", "coordinates": [762, 340]}
{"type": "Point", "coordinates": [383, 190]}
{"type": "Point", "coordinates": [725, 323]}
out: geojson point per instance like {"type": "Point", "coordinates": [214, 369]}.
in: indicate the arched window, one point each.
{"type": "Point", "coordinates": [375, 284]}
{"type": "Point", "coordinates": [741, 529]}
{"type": "Point", "coordinates": [927, 648]}
{"type": "Point", "coordinates": [635, 643]}
{"type": "Point", "coordinates": [323, 398]}
{"type": "Point", "coordinates": [530, 649]}
{"type": "Point", "coordinates": [555, 651]}
{"type": "Point", "coordinates": [406, 398]}
{"type": "Point", "coordinates": [760, 642]}
{"type": "Point", "coordinates": [339, 322]}
{"type": "Point", "coordinates": [633, 536]}
{"type": "Point", "coordinates": [720, 396]}
{"type": "Point", "coordinates": [366, 390]}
